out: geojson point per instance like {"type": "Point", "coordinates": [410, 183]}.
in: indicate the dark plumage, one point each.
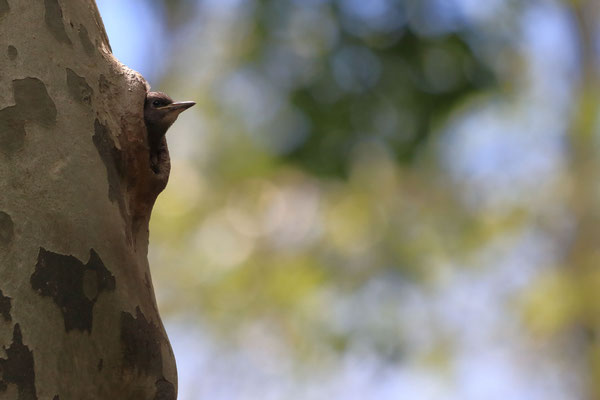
{"type": "Point", "coordinates": [159, 114]}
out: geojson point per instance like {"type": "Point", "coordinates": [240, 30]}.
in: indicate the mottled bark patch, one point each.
{"type": "Point", "coordinates": [54, 21]}
{"type": "Point", "coordinates": [147, 281]}
{"type": "Point", "coordinates": [4, 8]}
{"type": "Point", "coordinates": [32, 104]}
{"type": "Point", "coordinates": [72, 285]}
{"type": "Point", "coordinates": [33, 101]}
{"type": "Point", "coordinates": [113, 162]}
{"type": "Point", "coordinates": [7, 229]}
{"type": "Point", "coordinates": [79, 89]}
{"type": "Point", "coordinates": [86, 43]}
{"type": "Point", "coordinates": [165, 390]}
{"type": "Point", "coordinates": [5, 307]}
{"type": "Point", "coordinates": [12, 131]}
{"type": "Point", "coordinates": [103, 84]}
{"type": "Point", "coordinates": [141, 344]}
{"type": "Point", "coordinates": [17, 368]}
{"type": "Point", "coordinates": [12, 52]}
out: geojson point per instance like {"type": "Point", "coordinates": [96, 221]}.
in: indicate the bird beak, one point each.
{"type": "Point", "coordinates": [179, 107]}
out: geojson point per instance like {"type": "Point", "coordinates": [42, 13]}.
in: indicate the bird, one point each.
{"type": "Point", "coordinates": [160, 111]}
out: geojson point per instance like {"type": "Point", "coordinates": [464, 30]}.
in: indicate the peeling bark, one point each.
{"type": "Point", "coordinates": [78, 317]}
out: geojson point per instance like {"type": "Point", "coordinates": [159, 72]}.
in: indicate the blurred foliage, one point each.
{"type": "Point", "coordinates": [357, 179]}
{"type": "Point", "coordinates": [312, 189]}
{"type": "Point", "coordinates": [421, 79]}
{"type": "Point", "coordinates": [344, 72]}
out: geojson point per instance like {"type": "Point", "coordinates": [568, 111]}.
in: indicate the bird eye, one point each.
{"type": "Point", "coordinates": [156, 103]}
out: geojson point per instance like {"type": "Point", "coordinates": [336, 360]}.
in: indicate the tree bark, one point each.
{"type": "Point", "coordinates": [78, 317]}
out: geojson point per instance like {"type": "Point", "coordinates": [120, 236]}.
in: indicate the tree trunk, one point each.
{"type": "Point", "coordinates": [78, 317]}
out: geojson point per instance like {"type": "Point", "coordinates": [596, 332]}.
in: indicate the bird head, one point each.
{"type": "Point", "coordinates": [160, 111]}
